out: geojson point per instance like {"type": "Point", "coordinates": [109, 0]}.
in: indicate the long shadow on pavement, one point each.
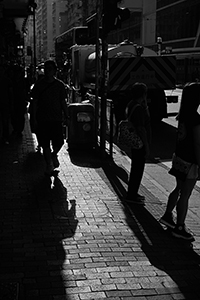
{"type": "Point", "coordinates": [175, 257]}
{"type": "Point", "coordinates": [37, 221]}
{"type": "Point", "coordinates": [169, 256]}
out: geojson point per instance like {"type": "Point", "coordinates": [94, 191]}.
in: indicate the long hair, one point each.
{"type": "Point", "coordinates": [190, 101]}
{"type": "Point", "coordinates": [137, 91]}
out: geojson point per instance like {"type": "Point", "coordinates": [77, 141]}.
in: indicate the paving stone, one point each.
{"type": "Point", "coordinates": [70, 236]}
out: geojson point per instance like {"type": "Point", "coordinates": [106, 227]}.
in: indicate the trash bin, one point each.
{"type": "Point", "coordinates": [81, 128]}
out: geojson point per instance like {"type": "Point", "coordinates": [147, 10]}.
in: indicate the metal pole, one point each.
{"type": "Point", "coordinates": [103, 95]}
{"type": "Point", "coordinates": [34, 41]}
{"type": "Point", "coordinates": [97, 74]}
{"type": "Point", "coordinates": [111, 128]}
{"type": "Point", "coordinates": [104, 83]}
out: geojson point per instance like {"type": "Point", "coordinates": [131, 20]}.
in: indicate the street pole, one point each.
{"type": "Point", "coordinates": [104, 83]}
{"type": "Point", "coordinates": [97, 73]}
{"type": "Point", "coordinates": [34, 5]}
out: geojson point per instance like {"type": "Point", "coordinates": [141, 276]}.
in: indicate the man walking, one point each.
{"type": "Point", "coordinates": [49, 105]}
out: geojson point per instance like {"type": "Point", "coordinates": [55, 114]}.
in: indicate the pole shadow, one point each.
{"type": "Point", "coordinates": [175, 261]}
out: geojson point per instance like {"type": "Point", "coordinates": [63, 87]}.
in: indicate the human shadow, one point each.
{"type": "Point", "coordinates": [53, 224]}
{"type": "Point", "coordinates": [39, 224]}
{"type": "Point", "coordinates": [175, 261]}
{"type": "Point", "coordinates": [50, 193]}
{"type": "Point", "coordinates": [173, 256]}
{"type": "Point", "coordinates": [117, 176]}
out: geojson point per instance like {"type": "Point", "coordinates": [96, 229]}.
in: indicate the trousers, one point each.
{"type": "Point", "coordinates": [136, 172]}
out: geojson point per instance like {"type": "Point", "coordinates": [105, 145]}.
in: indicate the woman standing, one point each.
{"type": "Point", "coordinates": [185, 162]}
{"type": "Point", "coordinates": [138, 113]}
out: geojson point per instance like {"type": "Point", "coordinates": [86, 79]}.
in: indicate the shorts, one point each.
{"type": "Point", "coordinates": [50, 132]}
{"type": "Point", "coordinates": [183, 170]}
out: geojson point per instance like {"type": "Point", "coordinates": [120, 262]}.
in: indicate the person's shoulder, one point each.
{"type": "Point", "coordinates": [138, 108]}
{"type": "Point", "coordinates": [39, 82]}
{"type": "Point", "coordinates": [132, 105]}
{"type": "Point", "coordinates": [60, 82]}
{"type": "Point", "coordinates": [37, 87]}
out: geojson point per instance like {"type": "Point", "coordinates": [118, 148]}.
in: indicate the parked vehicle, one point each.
{"type": "Point", "coordinates": [127, 63]}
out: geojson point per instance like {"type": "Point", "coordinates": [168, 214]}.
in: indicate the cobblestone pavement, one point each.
{"type": "Point", "coordinates": [71, 237]}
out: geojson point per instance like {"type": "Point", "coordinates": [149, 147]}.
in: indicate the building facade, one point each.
{"type": "Point", "coordinates": [177, 22]}
{"type": "Point", "coordinates": [44, 29]}
{"type": "Point", "coordinates": [53, 17]}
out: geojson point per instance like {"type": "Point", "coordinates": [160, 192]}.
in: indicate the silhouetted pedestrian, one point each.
{"type": "Point", "coordinates": [49, 105]}
{"type": "Point", "coordinates": [185, 162]}
{"type": "Point", "coordinates": [140, 119]}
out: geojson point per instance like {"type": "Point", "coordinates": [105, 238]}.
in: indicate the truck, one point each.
{"type": "Point", "coordinates": [127, 63]}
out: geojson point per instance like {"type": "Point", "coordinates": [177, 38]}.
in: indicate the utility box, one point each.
{"type": "Point", "coordinates": [81, 126]}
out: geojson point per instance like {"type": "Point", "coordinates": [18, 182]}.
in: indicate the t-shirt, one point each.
{"type": "Point", "coordinates": [185, 139]}
{"type": "Point", "coordinates": [50, 96]}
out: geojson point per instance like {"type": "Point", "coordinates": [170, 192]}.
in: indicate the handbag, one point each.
{"type": "Point", "coordinates": [127, 135]}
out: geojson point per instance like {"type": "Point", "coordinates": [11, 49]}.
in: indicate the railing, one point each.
{"type": "Point", "coordinates": [110, 125]}
{"type": "Point", "coordinates": [110, 121]}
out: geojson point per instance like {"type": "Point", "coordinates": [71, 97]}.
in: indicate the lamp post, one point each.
{"type": "Point", "coordinates": [104, 76]}
{"type": "Point", "coordinates": [112, 17]}
{"type": "Point", "coordinates": [33, 5]}
{"type": "Point", "coordinates": [34, 35]}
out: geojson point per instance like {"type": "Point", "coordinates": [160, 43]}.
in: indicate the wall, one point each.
{"type": "Point", "coordinates": [149, 22]}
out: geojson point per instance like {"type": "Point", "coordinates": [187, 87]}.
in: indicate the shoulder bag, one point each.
{"type": "Point", "coordinates": [127, 135]}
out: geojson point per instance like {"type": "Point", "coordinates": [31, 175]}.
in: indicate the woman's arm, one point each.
{"type": "Point", "coordinates": [138, 120]}
{"type": "Point", "coordinates": [141, 130]}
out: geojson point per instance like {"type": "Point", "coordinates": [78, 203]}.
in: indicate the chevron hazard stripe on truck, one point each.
{"type": "Point", "coordinates": [155, 72]}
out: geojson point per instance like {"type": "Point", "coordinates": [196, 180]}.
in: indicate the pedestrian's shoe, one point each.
{"type": "Point", "coordinates": [167, 220]}
{"type": "Point", "coordinates": [55, 160]}
{"type": "Point", "coordinates": [180, 231]}
{"type": "Point", "coordinates": [49, 170]}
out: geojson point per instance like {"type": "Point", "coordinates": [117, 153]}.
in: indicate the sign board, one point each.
{"type": "Point", "coordinates": [155, 72]}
